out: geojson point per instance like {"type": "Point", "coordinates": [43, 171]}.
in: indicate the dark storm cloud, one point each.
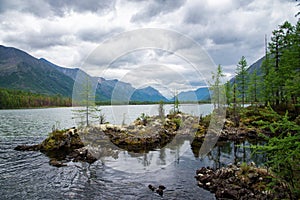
{"type": "Point", "coordinates": [156, 7]}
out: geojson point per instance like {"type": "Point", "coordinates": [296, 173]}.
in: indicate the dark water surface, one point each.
{"type": "Point", "coordinates": [27, 175]}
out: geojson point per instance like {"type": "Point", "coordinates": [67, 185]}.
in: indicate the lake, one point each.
{"type": "Point", "coordinates": [27, 175]}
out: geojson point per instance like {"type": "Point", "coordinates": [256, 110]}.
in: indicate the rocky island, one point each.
{"type": "Point", "coordinates": [90, 143]}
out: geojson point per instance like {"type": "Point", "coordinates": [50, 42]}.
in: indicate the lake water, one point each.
{"type": "Point", "coordinates": [27, 175]}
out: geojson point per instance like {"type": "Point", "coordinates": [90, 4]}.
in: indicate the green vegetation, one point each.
{"type": "Point", "coordinates": [281, 68]}
{"type": "Point", "coordinates": [241, 79]}
{"type": "Point", "coordinates": [176, 103]}
{"type": "Point", "coordinates": [274, 93]}
{"type": "Point", "coordinates": [277, 81]}
{"type": "Point", "coordinates": [21, 99]}
{"type": "Point", "coordinates": [84, 97]}
{"type": "Point", "coordinates": [282, 150]}
{"type": "Point", "coordinates": [143, 119]}
{"type": "Point", "coordinates": [217, 88]}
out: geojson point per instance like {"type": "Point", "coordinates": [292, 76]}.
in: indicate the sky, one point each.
{"type": "Point", "coordinates": [169, 44]}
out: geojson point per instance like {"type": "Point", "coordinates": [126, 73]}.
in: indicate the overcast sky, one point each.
{"type": "Point", "coordinates": [67, 32]}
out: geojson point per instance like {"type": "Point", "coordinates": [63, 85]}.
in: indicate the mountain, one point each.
{"type": "Point", "coordinates": [19, 70]}
{"type": "Point", "coordinates": [147, 94]}
{"type": "Point", "coordinates": [201, 94]}
{"type": "Point", "coordinates": [256, 66]}
{"type": "Point", "coordinates": [70, 72]}
{"type": "Point", "coordinates": [114, 90]}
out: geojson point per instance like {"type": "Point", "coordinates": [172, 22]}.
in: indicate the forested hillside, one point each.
{"type": "Point", "coordinates": [21, 99]}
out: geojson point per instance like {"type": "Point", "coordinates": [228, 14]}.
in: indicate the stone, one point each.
{"type": "Point", "coordinates": [27, 148]}
{"type": "Point", "coordinates": [151, 187]}
{"type": "Point", "coordinates": [57, 163]}
{"type": "Point", "coordinates": [162, 187]}
{"type": "Point", "coordinates": [160, 192]}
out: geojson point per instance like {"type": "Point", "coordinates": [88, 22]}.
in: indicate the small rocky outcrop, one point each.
{"type": "Point", "coordinates": [239, 182]}
{"type": "Point", "coordinates": [62, 146]}
{"type": "Point", "coordinates": [235, 127]}
{"type": "Point", "coordinates": [67, 140]}
{"type": "Point", "coordinates": [145, 135]}
{"type": "Point", "coordinates": [82, 154]}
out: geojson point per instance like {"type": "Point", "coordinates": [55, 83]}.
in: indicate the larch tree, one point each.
{"type": "Point", "coordinates": [83, 96]}
{"type": "Point", "coordinates": [242, 78]}
{"type": "Point", "coordinates": [217, 88]}
{"type": "Point", "coordinates": [253, 92]}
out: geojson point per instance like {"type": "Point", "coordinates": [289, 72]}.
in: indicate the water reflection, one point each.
{"type": "Point", "coordinates": [230, 152]}
{"type": "Point", "coordinates": [222, 154]}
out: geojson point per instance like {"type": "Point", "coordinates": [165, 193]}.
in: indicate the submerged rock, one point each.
{"type": "Point", "coordinates": [57, 163]}
{"type": "Point", "coordinates": [27, 148]}
{"type": "Point", "coordinates": [159, 190]}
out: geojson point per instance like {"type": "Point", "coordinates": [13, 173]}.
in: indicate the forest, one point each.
{"type": "Point", "coordinates": [21, 99]}
{"type": "Point", "coordinates": [273, 93]}
{"type": "Point", "coordinates": [276, 82]}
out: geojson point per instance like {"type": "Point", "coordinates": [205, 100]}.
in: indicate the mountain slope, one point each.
{"type": "Point", "coordinates": [19, 70]}
{"type": "Point", "coordinates": [201, 94]}
{"type": "Point", "coordinates": [147, 94]}
{"type": "Point", "coordinates": [70, 72]}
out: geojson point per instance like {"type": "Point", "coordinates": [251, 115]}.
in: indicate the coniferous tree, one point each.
{"type": "Point", "coordinates": [83, 96]}
{"type": "Point", "coordinates": [253, 92]}
{"type": "Point", "coordinates": [280, 42]}
{"type": "Point", "coordinates": [241, 79]}
{"type": "Point", "coordinates": [217, 88]}
{"type": "Point", "coordinates": [228, 90]}
{"type": "Point", "coordinates": [176, 102]}
{"type": "Point", "coordinates": [291, 64]}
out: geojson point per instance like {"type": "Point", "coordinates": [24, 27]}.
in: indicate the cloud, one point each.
{"type": "Point", "coordinates": [154, 8]}
{"type": "Point", "coordinates": [66, 32]}
{"type": "Point", "coordinates": [49, 8]}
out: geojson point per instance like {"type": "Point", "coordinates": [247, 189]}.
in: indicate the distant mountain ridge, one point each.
{"type": "Point", "coordinates": [118, 90]}
{"type": "Point", "coordinates": [21, 71]}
